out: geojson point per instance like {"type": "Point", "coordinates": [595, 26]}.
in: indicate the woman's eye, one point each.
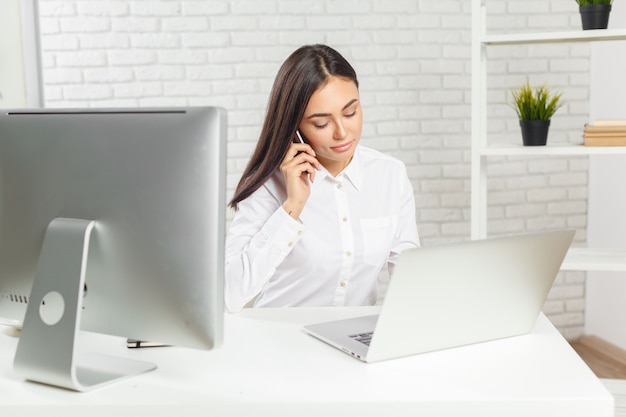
{"type": "Point", "coordinates": [352, 114]}
{"type": "Point", "coordinates": [320, 126]}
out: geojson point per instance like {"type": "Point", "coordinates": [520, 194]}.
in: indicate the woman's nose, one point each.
{"type": "Point", "coordinates": [340, 131]}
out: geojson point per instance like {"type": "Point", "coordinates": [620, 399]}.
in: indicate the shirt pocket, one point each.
{"type": "Point", "coordinates": [377, 237]}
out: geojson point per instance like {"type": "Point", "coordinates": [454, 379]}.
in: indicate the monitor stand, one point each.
{"type": "Point", "coordinates": [47, 349]}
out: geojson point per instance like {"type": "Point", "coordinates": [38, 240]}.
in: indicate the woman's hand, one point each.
{"type": "Point", "coordinates": [298, 169]}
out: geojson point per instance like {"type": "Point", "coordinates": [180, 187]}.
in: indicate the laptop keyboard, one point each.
{"type": "Point", "coordinates": [364, 338]}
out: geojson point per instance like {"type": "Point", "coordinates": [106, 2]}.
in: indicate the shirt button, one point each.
{"type": "Point", "coordinates": [345, 219]}
{"type": "Point", "coordinates": [299, 232]}
{"type": "Point", "coordinates": [290, 244]}
{"type": "Point", "coordinates": [339, 186]}
{"type": "Point", "coordinates": [348, 254]}
{"type": "Point", "coordinates": [342, 283]}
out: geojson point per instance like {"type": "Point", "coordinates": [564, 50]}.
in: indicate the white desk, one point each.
{"type": "Point", "coordinates": [268, 367]}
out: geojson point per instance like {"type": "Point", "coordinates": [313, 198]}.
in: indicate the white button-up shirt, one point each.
{"type": "Point", "coordinates": [352, 226]}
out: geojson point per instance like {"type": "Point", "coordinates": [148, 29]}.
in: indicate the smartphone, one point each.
{"type": "Point", "coordinates": [299, 135]}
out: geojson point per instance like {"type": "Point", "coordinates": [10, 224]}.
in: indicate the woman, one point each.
{"type": "Point", "coordinates": [317, 216]}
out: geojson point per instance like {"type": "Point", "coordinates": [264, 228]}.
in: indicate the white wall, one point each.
{"type": "Point", "coordinates": [20, 69]}
{"type": "Point", "coordinates": [12, 87]}
{"type": "Point", "coordinates": [413, 59]}
{"type": "Point", "coordinates": [606, 291]}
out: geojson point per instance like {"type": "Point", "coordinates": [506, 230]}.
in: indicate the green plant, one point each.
{"type": "Point", "coordinates": [590, 2]}
{"type": "Point", "coordinates": [536, 103]}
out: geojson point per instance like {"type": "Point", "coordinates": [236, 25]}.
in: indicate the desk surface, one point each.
{"type": "Point", "coordinates": [269, 367]}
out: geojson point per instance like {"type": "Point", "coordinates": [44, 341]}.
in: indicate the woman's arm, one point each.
{"type": "Point", "coordinates": [261, 235]}
{"type": "Point", "coordinates": [406, 236]}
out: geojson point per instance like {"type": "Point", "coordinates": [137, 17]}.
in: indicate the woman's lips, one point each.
{"type": "Point", "coordinates": [343, 147]}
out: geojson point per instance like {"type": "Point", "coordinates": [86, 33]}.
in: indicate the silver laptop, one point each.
{"type": "Point", "coordinates": [455, 295]}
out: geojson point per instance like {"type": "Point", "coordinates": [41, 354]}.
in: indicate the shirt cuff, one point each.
{"type": "Point", "coordinates": [282, 230]}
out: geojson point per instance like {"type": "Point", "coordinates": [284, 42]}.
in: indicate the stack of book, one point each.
{"type": "Point", "coordinates": [605, 133]}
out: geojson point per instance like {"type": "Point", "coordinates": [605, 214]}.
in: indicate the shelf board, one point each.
{"type": "Point", "coordinates": [551, 149]}
{"type": "Point", "coordinates": [555, 37]}
{"type": "Point", "coordinates": [581, 259]}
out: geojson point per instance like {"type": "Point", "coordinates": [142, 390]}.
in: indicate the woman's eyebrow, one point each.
{"type": "Point", "coordinates": [350, 103]}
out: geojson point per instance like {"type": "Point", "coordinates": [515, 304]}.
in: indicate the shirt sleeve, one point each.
{"type": "Point", "coordinates": [406, 236]}
{"type": "Point", "coordinates": [261, 235]}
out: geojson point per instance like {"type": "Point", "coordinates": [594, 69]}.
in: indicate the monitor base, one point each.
{"type": "Point", "coordinates": [47, 351]}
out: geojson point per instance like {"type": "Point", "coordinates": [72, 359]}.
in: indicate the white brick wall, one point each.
{"type": "Point", "coordinates": [413, 60]}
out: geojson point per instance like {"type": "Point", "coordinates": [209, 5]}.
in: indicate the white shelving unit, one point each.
{"type": "Point", "coordinates": [577, 259]}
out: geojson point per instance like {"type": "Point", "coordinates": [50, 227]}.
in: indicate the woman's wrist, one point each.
{"type": "Point", "coordinates": [292, 210]}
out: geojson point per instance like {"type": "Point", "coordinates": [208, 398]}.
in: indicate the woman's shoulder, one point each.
{"type": "Point", "coordinates": [370, 156]}
{"type": "Point", "coordinates": [273, 189]}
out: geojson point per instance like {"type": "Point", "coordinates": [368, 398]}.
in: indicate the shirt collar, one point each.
{"type": "Point", "coordinates": [353, 172]}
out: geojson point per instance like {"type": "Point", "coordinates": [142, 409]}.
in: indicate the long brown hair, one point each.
{"type": "Point", "coordinates": [303, 72]}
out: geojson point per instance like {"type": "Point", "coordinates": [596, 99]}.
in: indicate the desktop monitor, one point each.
{"type": "Point", "coordinates": [112, 221]}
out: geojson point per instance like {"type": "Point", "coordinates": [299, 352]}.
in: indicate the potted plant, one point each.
{"type": "Point", "coordinates": [594, 14]}
{"type": "Point", "coordinates": [535, 106]}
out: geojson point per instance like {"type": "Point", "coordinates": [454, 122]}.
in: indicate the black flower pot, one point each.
{"type": "Point", "coordinates": [534, 132]}
{"type": "Point", "coordinates": [595, 16]}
